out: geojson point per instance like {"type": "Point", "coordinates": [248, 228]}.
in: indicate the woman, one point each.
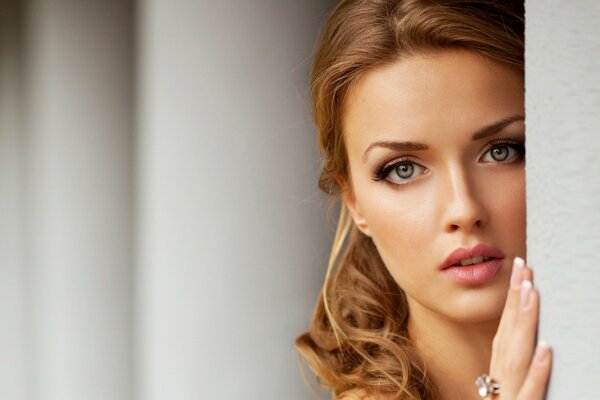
{"type": "Point", "coordinates": [420, 113]}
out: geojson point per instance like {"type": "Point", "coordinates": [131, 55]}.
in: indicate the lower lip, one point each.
{"type": "Point", "coordinates": [474, 274]}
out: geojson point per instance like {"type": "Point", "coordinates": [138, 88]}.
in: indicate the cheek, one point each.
{"type": "Point", "coordinates": [505, 198]}
{"type": "Point", "coordinates": [509, 213]}
{"type": "Point", "coordinates": [401, 228]}
{"type": "Point", "coordinates": [406, 225]}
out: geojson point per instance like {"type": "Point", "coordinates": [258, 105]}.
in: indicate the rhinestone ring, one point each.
{"type": "Point", "coordinates": [486, 386]}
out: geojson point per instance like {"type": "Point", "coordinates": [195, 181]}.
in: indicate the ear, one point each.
{"type": "Point", "coordinates": [355, 211]}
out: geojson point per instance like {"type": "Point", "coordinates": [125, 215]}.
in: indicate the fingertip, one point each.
{"type": "Point", "coordinates": [519, 262]}
{"type": "Point", "coordinates": [542, 353]}
{"type": "Point", "coordinates": [528, 274]}
{"type": "Point", "coordinates": [516, 277]}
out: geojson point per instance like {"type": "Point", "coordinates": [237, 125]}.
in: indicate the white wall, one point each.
{"type": "Point", "coordinates": [232, 242]}
{"type": "Point", "coordinates": [563, 185]}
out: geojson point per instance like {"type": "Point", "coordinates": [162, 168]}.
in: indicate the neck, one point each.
{"type": "Point", "coordinates": [454, 352]}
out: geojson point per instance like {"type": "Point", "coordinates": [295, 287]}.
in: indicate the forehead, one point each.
{"type": "Point", "coordinates": [432, 97]}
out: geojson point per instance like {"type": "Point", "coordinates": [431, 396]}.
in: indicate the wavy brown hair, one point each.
{"type": "Point", "coordinates": [358, 345]}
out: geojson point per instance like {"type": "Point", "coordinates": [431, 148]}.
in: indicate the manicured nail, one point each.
{"type": "Point", "coordinates": [541, 352]}
{"type": "Point", "coordinates": [519, 262]}
{"type": "Point", "coordinates": [525, 294]}
{"type": "Point", "coordinates": [517, 272]}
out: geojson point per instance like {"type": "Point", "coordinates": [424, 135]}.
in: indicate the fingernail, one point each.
{"type": "Point", "coordinates": [525, 294]}
{"type": "Point", "coordinates": [519, 262]}
{"type": "Point", "coordinates": [517, 271]}
{"type": "Point", "coordinates": [541, 352]}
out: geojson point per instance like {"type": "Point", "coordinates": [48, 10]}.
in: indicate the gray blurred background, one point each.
{"type": "Point", "coordinates": [161, 233]}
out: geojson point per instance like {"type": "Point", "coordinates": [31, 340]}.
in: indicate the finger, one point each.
{"type": "Point", "coordinates": [528, 273]}
{"type": "Point", "coordinates": [512, 299]}
{"type": "Point", "coordinates": [523, 344]}
{"type": "Point", "coordinates": [536, 382]}
{"type": "Point", "coordinates": [512, 356]}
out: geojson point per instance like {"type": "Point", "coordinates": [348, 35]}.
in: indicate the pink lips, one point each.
{"type": "Point", "coordinates": [476, 273]}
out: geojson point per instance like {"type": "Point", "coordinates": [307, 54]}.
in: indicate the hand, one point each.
{"type": "Point", "coordinates": [521, 374]}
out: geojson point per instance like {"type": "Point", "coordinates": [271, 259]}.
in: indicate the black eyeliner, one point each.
{"type": "Point", "coordinates": [380, 173]}
{"type": "Point", "coordinates": [515, 144]}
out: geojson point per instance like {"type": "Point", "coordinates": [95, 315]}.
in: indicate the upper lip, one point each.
{"type": "Point", "coordinates": [481, 249]}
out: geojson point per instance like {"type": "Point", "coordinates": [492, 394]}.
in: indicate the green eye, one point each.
{"type": "Point", "coordinates": [400, 171]}
{"type": "Point", "coordinates": [504, 151]}
{"type": "Point", "coordinates": [404, 170]}
{"type": "Point", "coordinates": [500, 153]}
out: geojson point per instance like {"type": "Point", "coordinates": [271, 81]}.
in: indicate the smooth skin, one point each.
{"type": "Point", "coordinates": [457, 192]}
{"type": "Point", "coordinates": [523, 378]}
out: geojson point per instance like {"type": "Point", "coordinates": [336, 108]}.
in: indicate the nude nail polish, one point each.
{"type": "Point", "coordinates": [541, 352]}
{"type": "Point", "coordinates": [525, 297]}
{"type": "Point", "coordinates": [517, 273]}
{"type": "Point", "coordinates": [519, 262]}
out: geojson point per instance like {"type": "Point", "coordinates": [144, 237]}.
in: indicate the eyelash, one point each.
{"type": "Point", "coordinates": [381, 173]}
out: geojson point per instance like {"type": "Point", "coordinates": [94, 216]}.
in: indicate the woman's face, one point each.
{"type": "Point", "coordinates": [419, 202]}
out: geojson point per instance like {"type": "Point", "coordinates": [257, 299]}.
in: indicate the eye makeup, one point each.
{"type": "Point", "coordinates": [518, 146]}
{"type": "Point", "coordinates": [382, 171]}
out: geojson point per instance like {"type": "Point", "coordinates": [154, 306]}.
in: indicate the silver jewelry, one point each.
{"type": "Point", "coordinates": [486, 386]}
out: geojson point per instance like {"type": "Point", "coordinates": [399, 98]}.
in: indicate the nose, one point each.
{"type": "Point", "coordinates": [463, 209]}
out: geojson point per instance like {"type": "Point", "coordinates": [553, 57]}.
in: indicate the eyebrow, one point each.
{"type": "Point", "coordinates": [484, 132]}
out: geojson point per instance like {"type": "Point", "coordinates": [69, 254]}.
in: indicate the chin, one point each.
{"type": "Point", "coordinates": [476, 309]}
{"type": "Point", "coordinates": [476, 317]}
